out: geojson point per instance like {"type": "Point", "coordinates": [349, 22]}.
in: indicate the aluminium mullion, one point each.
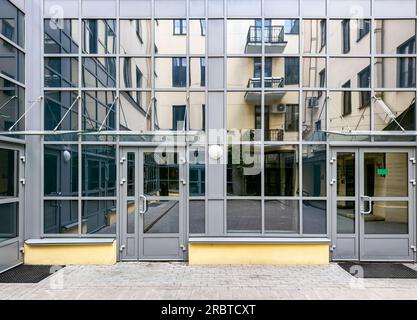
{"type": "Point", "coordinates": [300, 124]}
{"type": "Point", "coordinates": [80, 115]}
{"type": "Point", "coordinates": [263, 124]}
{"type": "Point", "coordinates": [225, 144]}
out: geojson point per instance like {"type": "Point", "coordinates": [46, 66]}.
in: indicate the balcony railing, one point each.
{"type": "Point", "coordinates": [272, 34]}
{"type": "Point", "coordinates": [269, 82]}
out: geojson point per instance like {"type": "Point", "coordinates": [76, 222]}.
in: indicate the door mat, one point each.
{"type": "Point", "coordinates": [379, 270]}
{"type": "Point", "coordinates": [28, 274]}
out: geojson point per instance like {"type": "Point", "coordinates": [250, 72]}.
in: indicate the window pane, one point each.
{"type": "Point", "coordinates": [197, 72]}
{"type": "Point", "coordinates": [99, 72]}
{"type": "Point", "coordinates": [161, 217]}
{"type": "Point", "coordinates": [314, 72]}
{"type": "Point", "coordinates": [244, 115]}
{"type": "Point", "coordinates": [12, 62]}
{"type": "Point", "coordinates": [395, 72]}
{"type": "Point", "coordinates": [12, 100]}
{"type": "Point", "coordinates": [197, 111]}
{"type": "Point", "coordinates": [99, 217]}
{"type": "Point", "coordinates": [135, 36]}
{"type": "Point", "coordinates": [135, 110]}
{"type": "Point", "coordinates": [57, 113]}
{"type": "Point", "coordinates": [61, 170]}
{"type": "Point", "coordinates": [244, 170]}
{"type": "Point", "coordinates": [197, 172]}
{"type": "Point", "coordinates": [282, 118]}
{"type": "Point", "coordinates": [346, 178]}
{"type": "Point", "coordinates": [169, 112]}
{"type": "Point", "coordinates": [314, 217]}
{"type": "Point", "coordinates": [198, 36]}
{"type": "Point", "coordinates": [161, 174]}
{"type": "Point", "coordinates": [244, 216]}
{"type": "Point", "coordinates": [387, 217]}
{"type": "Point", "coordinates": [281, 170]}
{"type": "Point", "coordinates": [343, 70]}
{"type": "Point", "coordinates": [314, 115]}
{"type": "Point", "coordinates": [99, 110]}
{"type": "Point", "coordinates": [99, 36]}
{"type": "Point", "coordinates": [8, 173]}
{"type": "Point", "coordinates": [12, 23]}
{"type": "Point", "coordinates": [314, 32]}
{"type": "Point", "coordinates": [9, 221]}
{"type": "Point", "coordinates": [281, 216]}
{"type": "Point", "coordinates": [395, 36]}
{"type": "Point", "coordinates": [346, 217]}
{"type": "Point", "coordinates": [135, 73]}
{"type": "Point", "coordinates": [197, 216]}
{"type": "Point", "coordinates": [314, 170]}
{"type": "Point", "coordinates": [350, 36]}
{"type": "Point", "coordinates": [60, 217]}
{"type": "Point", "coordinates": [171, 72]}
{"type": "Point", "coordinates": [61, 72]}
{"type": "Point", "coordinates": [61, 36]}
{"type": "Point", "coordinates": [400, 106]}
{"type": "Point", "coordinates": [386, 174]}
{"type": "Point", "coordinates": [131, 174]}
{"type": "Point", "coordinates": [99, 171]}
{"type": "Point", "coordinates": [171, 36]}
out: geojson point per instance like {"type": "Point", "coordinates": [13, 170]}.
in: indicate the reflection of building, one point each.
{"type": "Point", "coordinates": [297, 101]}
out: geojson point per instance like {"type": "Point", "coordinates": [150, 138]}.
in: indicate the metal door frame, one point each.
{"type": "Point", "coordinates": [359, 235]}
{"type": "Point", "coordinates": [138, 237]}
{"type": "Point", "coordinates": [20, 184]}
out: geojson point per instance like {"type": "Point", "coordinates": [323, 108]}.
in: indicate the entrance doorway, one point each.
{"type": "Point", "coordinates": [373, 209]}
{"type": "Point", "coordinates": [153, 185]}
{"type": "Point", "coordinates": [11, 205]}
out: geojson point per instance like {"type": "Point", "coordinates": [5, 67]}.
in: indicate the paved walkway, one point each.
{"type": "Point", "coordinates": [180, 281]}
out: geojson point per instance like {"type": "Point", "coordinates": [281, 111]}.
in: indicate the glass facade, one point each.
{"type": "Point", "coordinates": [276, 79]}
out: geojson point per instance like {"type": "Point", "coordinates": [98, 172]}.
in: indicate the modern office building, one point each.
{"type": "Point", "coordinates": [209, 131]}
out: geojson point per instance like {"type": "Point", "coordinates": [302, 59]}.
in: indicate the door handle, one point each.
{"type": "Point", "coordinates": [362, 207]}
{"type": "Point", "coordinates": [144, 204]}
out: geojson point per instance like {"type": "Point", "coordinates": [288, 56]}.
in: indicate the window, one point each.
{"type": "Point", "coordinates": [407, 65]}
{"type": "Point", "coordinates": [292, 26]}
{"type": "Point", "coordinates": [203, 27]}
{"type": "Point", "coordinates": [364, 81]}
{"type": "Point", "coordinates": [323, 33]}
{"type": "Point", "coordinates": [180, 27]}
{"type": "Point", "coordinates": [179, 72]}
{"type": "Point", "coordinates": [203, 71]}
{"type": "Point", "coordinates": [291, 118]}
{"type": "Point", "coordinates": [364, 27]}
{"type": "Point", "coordinates": [347, 100]}
{"type": "Point", "coordinates": [346, 35]}
{"type": "Point", "coordinates": [291, 71]}
{"type": "Point", "coordinates": [178, 117]}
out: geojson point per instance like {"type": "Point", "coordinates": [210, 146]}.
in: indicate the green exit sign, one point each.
{"type": "Point", "coordinates": [382, 172]}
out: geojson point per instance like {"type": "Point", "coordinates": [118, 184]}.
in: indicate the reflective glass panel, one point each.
{"type": "Point", "coordinates": [314, 72]}
{"type": "Point", "coordinates": [161, 217]}
{"type": "Point", "coordinates": [314, 115]}
{"type": "Point", "coordinates": [135, 110]}
{"type": "Point", "coordinates": [60, 217]}
{"type": "Point", "coordinates": [99, 36]}
{"type": "Point", "coordinates": [12, 62]}
{"type": "Point", "coordinates": [346, 217]}
{"type": "Point", "coordinates": [395, 36]}
{"type": "Point", "coordinates": [387, 217]}
{"type": "Point", "coordinates": [314, 170]}
{"type": "Point", "coordinates": [12, 102]}
{"type": "Point", "coordinates": [9, 221]}
{"type": "Point", "coordinates": [61, 170]}
{"type": "Point", "coordinates": [395, 72]}
{"type": "Point", "coordinates": [99, 72]}
{"type": "Point", "coordinates": [197, 172]}
{"type": "Point", "coordinates": [135, 36]}
{"type": "Point", "coordinates": [8, 173]}
{"type": "Point", "coordinates": [61, 36]}
{"type": "Point", "coordinates": [281, 216]}
{"type": "Point", "coordinates": [135, 73]}
{"type": "Point", "coordinates": [197, 216]}
{"type": "Point", "coordinates": [386, 174]}
{"type": "Point", "coordinates": [99, 217]}
{"type": "Point", "coordinates": [61, 72]}
{"type": "Point", "coordinates": [314, 217]}
{"type": "Point", "coordinates": [315, 37]}
{"type": "Point", "coordinates": [170, 112]}
{"type": "Point", "coordinates": [12, 23]}
{"type": "Point", "coordinates": [281, 170]}
{"type": "Point", "coordinates": [244, 216]}
{"type": "Point", "coordinates": [171, 36]}
{"type": "Point", "coordinates": [350, 36]}
{"type": "Point", "coordinates": [198, 31]}
{"type": "Point", "coordinates": [346, 179]}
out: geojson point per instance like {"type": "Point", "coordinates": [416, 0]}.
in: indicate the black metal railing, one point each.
{"type": "Point", "coordinates": [272, 34]}
{"type": "Point", "coordinates": [269, 82]}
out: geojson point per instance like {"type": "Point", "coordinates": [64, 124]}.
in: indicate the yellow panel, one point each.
{"type": "Point", "coordinates": [104, 254]}
{"type": "Point", "coordinates": [258, 253]}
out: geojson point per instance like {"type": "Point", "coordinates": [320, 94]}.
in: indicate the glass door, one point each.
{"type": "Point", "coordinates": [153, 220]}
{"type": "Point", "coordinates": [386, 204]}
{"type": "Point", "coordinates": [11, 206]}
{"type": "Point", "coordinates": [373, 192]}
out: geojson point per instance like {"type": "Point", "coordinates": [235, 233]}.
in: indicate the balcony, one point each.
{"type": "Point", "coordinates": [271, 97]}
{"type": "Point", "coordinates": [273, 39]}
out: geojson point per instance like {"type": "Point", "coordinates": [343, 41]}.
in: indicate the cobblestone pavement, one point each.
{"type": "Point", "coordinates": [181, 281]}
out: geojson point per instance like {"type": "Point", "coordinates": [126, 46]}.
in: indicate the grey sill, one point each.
{"type": "Point", "coordinates": [214, 240]}
{"type": "Point", "coordinates": [66, 241]}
